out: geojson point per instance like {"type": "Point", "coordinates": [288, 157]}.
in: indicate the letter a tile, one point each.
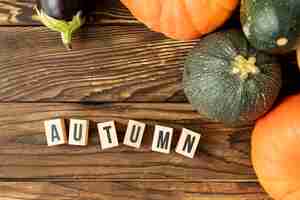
{"type": "Point", "coordinates": [55, 132]}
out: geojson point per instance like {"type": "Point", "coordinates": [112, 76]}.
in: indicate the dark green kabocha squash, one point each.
{"type": "Point", "coordinates": [228, 81]}
{"type": "Point", "coordinates": [271, 25]}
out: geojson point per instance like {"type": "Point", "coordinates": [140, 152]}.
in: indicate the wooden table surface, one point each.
{"type": "Point", "coordinates": [118, 70]}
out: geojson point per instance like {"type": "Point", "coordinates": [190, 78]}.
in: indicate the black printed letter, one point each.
{"type": "Point", "coordinates": [77, 134]}
{"type": "Point", "coordinates": [188, 144]}
{"type": "Point", "coordinates": [107, 128]}
{"type": "Point", "coordinates": [135, 134]}
{"type": "Point", "coordinates": [163, 140]}
{"type": "Point", "coordinates": [54, 133]}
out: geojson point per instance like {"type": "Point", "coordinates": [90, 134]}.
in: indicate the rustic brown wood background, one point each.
{"type": "Point", "coordinates": [118, 70]}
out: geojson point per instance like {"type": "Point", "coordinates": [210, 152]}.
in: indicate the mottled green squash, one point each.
{"type": "Point", "coordinates": [271, 25]}
{"type": "Point", "coordinates": [228, 81]}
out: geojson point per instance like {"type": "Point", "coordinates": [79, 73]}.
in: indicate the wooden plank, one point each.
{"type": "Point", "coordinates": [111, 63]}
{"type": "Point", "coordinates": [131, 191]}
{"type": "Point", "coordinates": [108, 64]}
{"type": "Point", "coordinates": [19, 12]}
{"type": "Point", "coordinates": [223, 153]}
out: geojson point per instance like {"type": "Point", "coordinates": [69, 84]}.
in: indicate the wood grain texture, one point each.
{"type": "Point", "coordinates": [19, 12]}
{"type": "Point", "coordinates": [108, 64]}
{"type": "Point", "coordinates": [223, 153]}
{"type": "Point", "coordinates": [111, 63]}
{"type": "Point", "coordinates": [130, 191]}
{"type": "Point", "coordinates": [117, 60]}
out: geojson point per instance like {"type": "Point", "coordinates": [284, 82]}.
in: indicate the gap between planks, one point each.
{"type": "Point", "coordinates": [126, 180]}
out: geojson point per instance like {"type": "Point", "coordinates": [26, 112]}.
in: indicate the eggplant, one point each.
{"type": "Point", "coordinates": [64, 16]}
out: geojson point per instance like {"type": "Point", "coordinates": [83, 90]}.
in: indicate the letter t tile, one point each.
{"type": "Point", "coordinates": [108, 135]}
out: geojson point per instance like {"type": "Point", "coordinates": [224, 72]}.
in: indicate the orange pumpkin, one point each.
{"type": "Point", "coordinates": [276, 150]}
{"type": "Point", "coordinates": [182, 19]}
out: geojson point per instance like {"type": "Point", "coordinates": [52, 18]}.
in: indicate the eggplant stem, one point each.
{"type": "Point", "coordinates": [66, 28]}
{"type": "Point", "coordinates": [66, 38]}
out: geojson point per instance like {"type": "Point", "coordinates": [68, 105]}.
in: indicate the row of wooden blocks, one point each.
{"type": "Point", "coordinates": [79, 130]}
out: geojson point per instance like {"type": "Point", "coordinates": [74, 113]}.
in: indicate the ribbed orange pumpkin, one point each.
{"type": "Point", "coordinates": [182, 19]}
{"type": "Point", "coordinates": [276, 150]}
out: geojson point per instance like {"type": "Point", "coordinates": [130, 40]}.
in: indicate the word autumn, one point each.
{"type": "Point", "coordinates": [79, 131]}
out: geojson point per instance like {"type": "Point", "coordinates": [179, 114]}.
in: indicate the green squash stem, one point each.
{"type": "Point", "coordinates": [66, 28]}
{"type": "Point", "coordinates": [244, 67]}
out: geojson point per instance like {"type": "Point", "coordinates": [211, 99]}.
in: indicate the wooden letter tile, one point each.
{"type": "Point", "coordinates": [162, 139]}
{"type": "Point", "coordinates": [56, 132]}
{"type": "Point", "coordinates": [188, 143]}
{"type": "Point", "coordinates": [108, 135]}
{"type": "Point", "coordinates": [134, 134]}
{"type": "Point", "coordinates": [78, 132]}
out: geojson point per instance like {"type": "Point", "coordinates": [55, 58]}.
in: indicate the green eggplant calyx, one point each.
{"type": "Point", "coordinates": [244, 67]}
{"type": "Point", "coordinates": [66, 28]}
